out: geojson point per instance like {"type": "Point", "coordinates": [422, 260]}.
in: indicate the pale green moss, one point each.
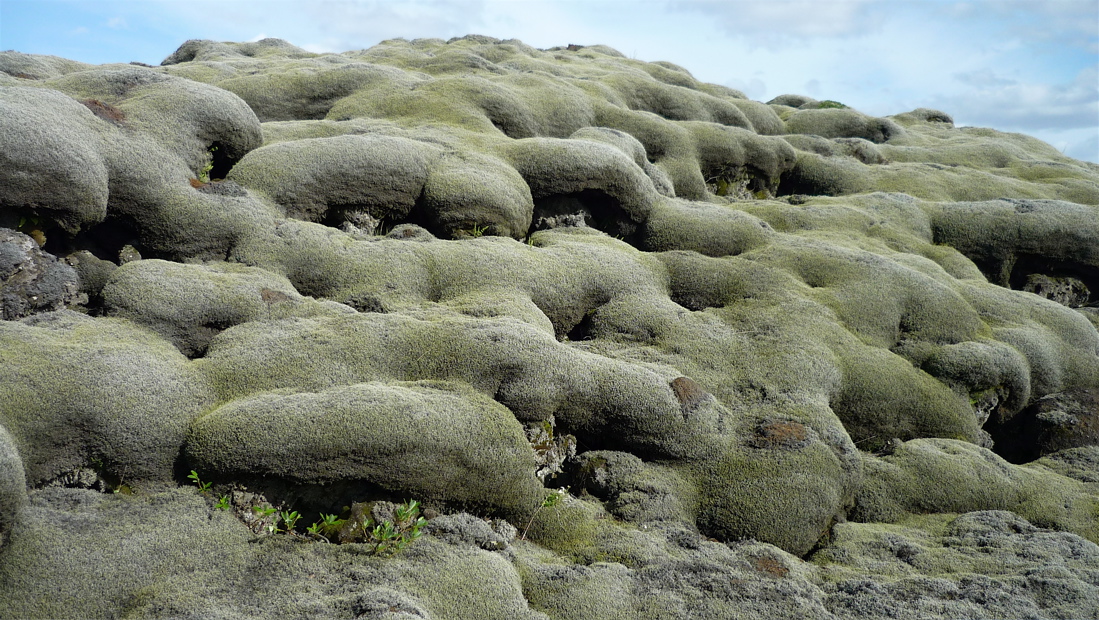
{"type": "Point", "coordinates": [941, 475]}
{"type": "Point", "coordinates": [83, 389]}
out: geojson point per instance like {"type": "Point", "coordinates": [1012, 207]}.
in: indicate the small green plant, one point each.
{"type": "Point", "coordinates": [315, 530]}
{"type": "Point", "coordinates": [552, 499]}
{"type": "Point", "coordinates": [331, 524]}
{"type": "Point", "coordinates": [203, 487]}
{"type": "Point", "coordinates": [384, 538]}
{"type": "Point", "coordinates": [289, 520]}
{"type": "Point", "coordinates": [204, 175]}
{"type": "Point", "coordinates": [407, 527]}
{"type": "Point", "coordinates": [263, 511]}
{"type": "Point", "coordinates": [474, 232]}
{"type": "Point", "coordinates": [266, 519]}
{"type": "Point", "coordinates": [327, 529]}
{"type": "Point", "coordinates": [223, 503]}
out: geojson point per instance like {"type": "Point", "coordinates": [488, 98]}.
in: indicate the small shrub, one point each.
{"type": "Point", "coordinates": [203, 487]}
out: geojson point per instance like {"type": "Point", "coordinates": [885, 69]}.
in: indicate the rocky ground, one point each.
{"type": "Point", "coordinates": [639, 346]}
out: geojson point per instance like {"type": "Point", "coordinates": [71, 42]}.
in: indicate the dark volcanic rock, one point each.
{"type": "Point", "coordinates": [31, 280]}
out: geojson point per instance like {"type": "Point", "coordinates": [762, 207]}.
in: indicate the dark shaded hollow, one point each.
{"type": "Point", "coordinates": [104, 240]}
{"type": "Point", "coordinates": [1030, 264]}
{"type": "Point", "coordinates": [222, 162]}
{"type": "Point", "coordinates": [1055, 422]}
{"type": "Point", "coordinates": [600, 210]}
{"type": "Point", "coordinates": [312, 500]}
{"type": "Point", "coordinates": [795, 183]}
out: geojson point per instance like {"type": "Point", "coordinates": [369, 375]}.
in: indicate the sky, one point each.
{"type": "Point", "coordinates": [1028, 66]}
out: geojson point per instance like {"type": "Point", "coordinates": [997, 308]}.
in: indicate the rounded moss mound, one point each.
{"type": "Point", "coordinates": [99, 393]}
{"type": "Point", "coordinates": [842, 123]}
{"type": "Point", "coordinates": [415, 440]}
{"type": "Point", "coordinates": [943, 476]}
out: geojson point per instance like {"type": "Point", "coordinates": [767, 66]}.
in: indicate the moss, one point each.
{"type": "Point", "coordinates": [106, 548]}
{"type": "Point", "coordinates": [412, 440]}
{"type": "Point", "coordinates": [766, 495]}
{"type": "Point", "coordinates": [941, 476]}
{"type": "Point", "coordinates": [568, 528]}
{"type": "Point", "coordinates": [995, 544]}
{"type": "Point", "coordinates": [707, 229]}
{"type": "Point", "coordinates": [884, 397]}
{"type": "Point", "coordinates": [737, 351]}
{"type": "Point", "coordinates": [66, 165]}
{"type": "Point", "coordinates": [168, 553]}
{"type": "Point", "coordinates": [455, 582]}
{"type": "Point", "coordinates": [832, 122]}
{"type": "Point", "coordinates": [189, 304]}
{"type": "Point", "coordinates": [102, 389]}
{"type": "Point", "coordinates": [13, 483]}
{"type": "Point", "coordinates": [381, 175]}
{"type": "Point", "coordinates": [904, 303]}
{"type": "Point", "coordinates": [983, 370]}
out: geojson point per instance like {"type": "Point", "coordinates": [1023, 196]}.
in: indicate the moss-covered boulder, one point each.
{"type": "Point", "coordinates": [189, 304]}
{"type": "Point", "coordinates": [986, 564]}
{"type": "Point", "coordinates": [943, 476]}
{"type": "Point", "coordinates": [677, 337]}
{"type": "Point", "coordinates": [100, 393]}
{"type": "Point", "coordinates": [47, 172]}
{"type": "Point", "coordinates": [422, 440]}
{"type": "Point", "coordinates": [170, 553]}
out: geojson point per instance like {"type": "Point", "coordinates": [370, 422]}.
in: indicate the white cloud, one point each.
{"type": "Point", "coordinates": [117, 23]}
{"type": "Point", "coordinates": [1026, 106]}
{"type": "Point", "coordinates": [983, 78]}
{"type": "Point", "coordinates": [1073, 23]}
{"type": "Point", "coordinates": [782, 22]}
{"type": "Point", "coordinates": [259, 37]}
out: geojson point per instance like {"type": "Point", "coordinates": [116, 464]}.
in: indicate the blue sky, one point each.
{"type": "Point", "coordinates": [1015, 65]}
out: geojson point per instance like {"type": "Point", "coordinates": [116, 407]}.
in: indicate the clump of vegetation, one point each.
{"type": "Point", "coordinates": [385, 536]}
{"type": "Point", "coordinates": [32, 227]}
{"type": "Point", "coordinates": [204, 175]}
{"type": "Point", "coordinates": [828, 103]}
{"type": "Point", "coordinates": [204, 489]}
{"type": "Point", "coordinates": [473, 232]}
